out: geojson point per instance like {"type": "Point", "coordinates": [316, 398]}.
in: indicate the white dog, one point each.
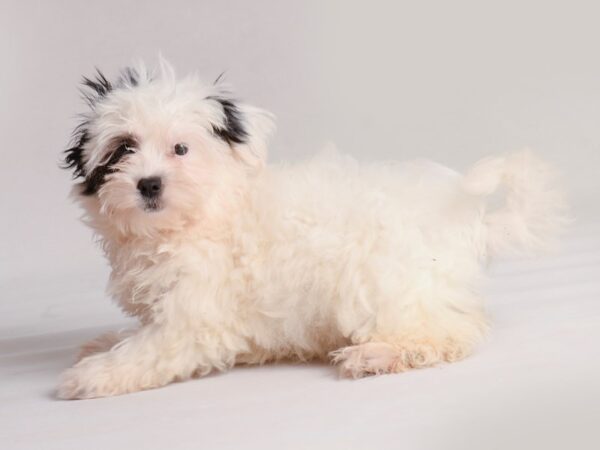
{"type": "Point", "coordinates": [227, 261]}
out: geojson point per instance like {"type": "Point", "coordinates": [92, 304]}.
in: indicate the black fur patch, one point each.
{"type": "Point", "coordinates": [74, 155]}
{"type": "Point", "coordinates": [233, 130]}
{"type": "Point", "coordinates": [94, 90]}
{"type": "Point", "coordinates": [96, 179]}
{"type": "Point", "coordinates": [129, 76]}
{"type": "Point", "coordinates": [100, 87]}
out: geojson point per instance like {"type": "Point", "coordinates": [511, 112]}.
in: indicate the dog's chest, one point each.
{"type": "Point", "coordinates": [141, 275]}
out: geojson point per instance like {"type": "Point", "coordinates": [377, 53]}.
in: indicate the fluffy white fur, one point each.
{"type": "Point", "coordinates": [375, 266]}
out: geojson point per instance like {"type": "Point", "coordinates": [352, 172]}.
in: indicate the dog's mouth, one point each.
{"type": "Point", "coordinates": [152, 205]}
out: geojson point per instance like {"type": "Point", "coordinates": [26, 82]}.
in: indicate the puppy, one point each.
{"type": "Point", "coordinates": [225, 260]}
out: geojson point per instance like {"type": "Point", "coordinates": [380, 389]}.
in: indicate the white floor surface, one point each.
{"type": "Point", "coordinates": [533, 385]}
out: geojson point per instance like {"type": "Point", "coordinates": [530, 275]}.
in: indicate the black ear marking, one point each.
{"type": "Point", "coordinates": [233, 130]}
{"type": "Point", "coordinates": [94, 90]}
{"type": "Point", "coordinates": [74, 155]}
{"type": "Point", "coordinates": [100, 86]}
{"type": "Point", "coordinates": [129, 76]}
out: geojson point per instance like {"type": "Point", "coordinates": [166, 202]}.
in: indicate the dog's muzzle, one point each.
{"type": "Point", "coordinates": [150, 189]}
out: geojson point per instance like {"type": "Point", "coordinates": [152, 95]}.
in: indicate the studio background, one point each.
{"type": "Point", "coordinates": [450, 81]}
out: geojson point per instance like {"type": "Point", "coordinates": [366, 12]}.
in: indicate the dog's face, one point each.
{"type": "Point", "coordinates": [156, 153]}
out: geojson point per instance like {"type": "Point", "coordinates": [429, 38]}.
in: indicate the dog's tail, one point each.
{"type": "Point", "coordinates": [534, 209]}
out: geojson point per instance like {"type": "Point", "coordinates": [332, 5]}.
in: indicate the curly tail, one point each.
{"type": "Point", "coordinates": [534, 210]}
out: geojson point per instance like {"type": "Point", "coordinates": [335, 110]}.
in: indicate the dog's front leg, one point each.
{"type": "Point", "coordinates": [154, 356]}
{"type": "Point", "coordinates": [103, 343]}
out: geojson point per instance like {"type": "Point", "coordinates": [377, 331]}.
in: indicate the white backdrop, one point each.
{"type": "Point", "coordinates": [443, 80]}
{"type": "Point", "coordinates": [452, 81]}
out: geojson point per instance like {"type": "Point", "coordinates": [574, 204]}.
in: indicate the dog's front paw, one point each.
{"type": "Point", "coordinates": [90, 378]}
{"type": "Point", "coordinates": [75, 385]}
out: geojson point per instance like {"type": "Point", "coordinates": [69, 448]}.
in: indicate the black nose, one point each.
{"type": "Point", "coordinates": [150, 187]}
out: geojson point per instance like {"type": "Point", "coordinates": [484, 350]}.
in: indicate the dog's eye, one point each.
{"type": "Point", "coordinates": [181, 149]}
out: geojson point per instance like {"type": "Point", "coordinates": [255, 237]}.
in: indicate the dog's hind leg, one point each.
{"type": "Point", "coordinates": [393, 356]}
{"type": "Point", "coordinates": [424, 336]}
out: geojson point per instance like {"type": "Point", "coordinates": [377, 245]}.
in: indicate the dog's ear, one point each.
{"type": "Point", "coordinates": [74, 155]}
{"type": "Point", "coordinates": [93, 90]}
{"type": "Point", "coordinates": [246, 129]}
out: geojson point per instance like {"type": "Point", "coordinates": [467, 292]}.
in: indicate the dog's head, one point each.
{"type": "Point", "coordinates": [155, 153]}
